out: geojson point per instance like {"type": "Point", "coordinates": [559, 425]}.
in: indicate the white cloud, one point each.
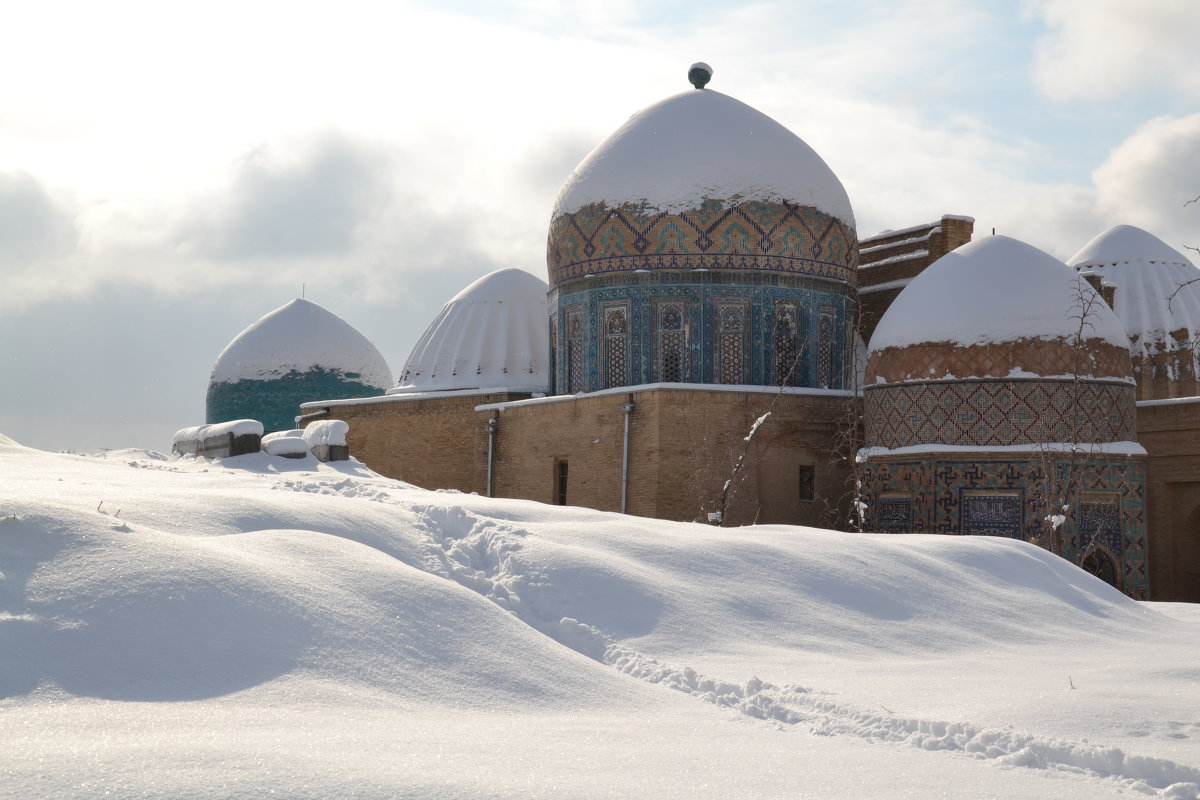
{"type": "Point", "coordinates": [33, 225]}
{"type": "Point", "coordinates": [37, 232]}
{"type": "Point", "coordinates": [1149, 178]}
{"type": "Point", "coordinates": [282, 205]}
{"type": "Point", "coordinates": [388, 154]}
{"type": "Point", "coordinates": [1099, 50]}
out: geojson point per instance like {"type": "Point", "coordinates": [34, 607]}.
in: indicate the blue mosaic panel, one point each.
{"type": "Point", "coordinates": [720, 328]}
{"type": "Point", "coordinates": [1105, 496]}
{"type": "Point", "coordinates": [827, 362]}
{"type": "Point", "coordinates": [276, 403]}
{"type": "Point", "coordinates": [894, 514]}
{"type": "Point", "coordinates": [575, 350]}
{"type": "Point", "coordinates": [991, 514]}
{"type": "Point", "coordinates": [616, 345]}
{"type": "Point", "coordinates": [731, 347]}
{"type": "Point", "coordinates": [1099, 524]}
{"type": "Point", "coordinates": [994, 411]}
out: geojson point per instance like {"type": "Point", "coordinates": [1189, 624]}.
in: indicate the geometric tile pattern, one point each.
{"type": "Point", "coordinates": [731, 349]}
{"type": "Point", "coordinates": [894, 514]}
{"type": "Point", "coordinates": [616, 345]}
{"type": "Point", "coordinates": [1099, 523]}
{"type": "Point", "coordinates": [276, 402]}
{"type": "Point", "coordinates": [700, 327]}
{"type": "Point", "coordinates": [773, 237]}
{"type": "Point", "coordinates": [990, 513]}
{"type": "Point", "coordinates": [998, 412]}
{"type": "Point", "coordinates": [1009, 497]}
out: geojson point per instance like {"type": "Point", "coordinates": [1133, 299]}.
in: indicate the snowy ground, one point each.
{"type": "Point", "coordinates": [258, 626]}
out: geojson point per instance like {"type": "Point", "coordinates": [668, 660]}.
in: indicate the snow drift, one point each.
{"type": "Point", "coordinates": [190, 628]}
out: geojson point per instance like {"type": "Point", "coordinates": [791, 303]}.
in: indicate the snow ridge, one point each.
{"type": "Point", "coordinates": [480, 554]}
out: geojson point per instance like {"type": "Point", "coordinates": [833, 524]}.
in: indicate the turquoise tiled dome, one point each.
{"type": "Point", "coordinates": [296, 353]}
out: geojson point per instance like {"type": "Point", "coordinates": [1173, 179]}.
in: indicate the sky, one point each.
{"type": "Point", "coordinates": [188, 169]}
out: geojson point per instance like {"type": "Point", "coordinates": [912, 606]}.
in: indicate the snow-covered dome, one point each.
{"type": "Point", "coordinates": [702, 181]}
{"type": "Point", "coordinates": [297, 353]}
{"type": "Point", "coordinates": [998, 344]}
{"type": "Point", "coordinates": [491, 335]}
{"type": "Point", "coordinates": [699, 145]}
{"type": "Point", "coordinates": [698, 244]}
{"type": "Point", "coordinates": [996, 307]}
{"type": "Point", "coordinates": [1157, 300]}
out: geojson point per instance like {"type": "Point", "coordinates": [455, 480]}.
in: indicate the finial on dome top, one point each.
{"type": "Point", "coordinates": [700, 74]}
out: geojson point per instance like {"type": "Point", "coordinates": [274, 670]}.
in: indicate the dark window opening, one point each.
{"type": "Point", "coordinates": [672, 358]}
{"type": "Point", "coordinates": [1101, 564]}
{"type": "Point", "coordinates": [672, 339]}
{"type": "Point", "coordinates": [560, 487]}
{"type": "Point", "coordinates": [807, 478]}
{"type": "Point", "coordinates": [574, 352]}
{"type": "Point", "coordinates": [787, 355]}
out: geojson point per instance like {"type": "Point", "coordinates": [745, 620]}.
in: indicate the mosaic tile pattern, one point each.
{"type": "Point", "coordinates": [275, 403]}
{"type": "Point", "coordinates": [1099, 524]}
{"type": "Point", "coordinates": [982, 495]}
{"type": "Point", "coordinates": [994, 412]}
{"type": "Point", "coordinates": [780, 237]}
{"type": "Point", "coordinates": [990, 513]}
{"type": "Point", "coordinates": [713, 327]}
{"type": "Point", "coordinates": [894, 514]}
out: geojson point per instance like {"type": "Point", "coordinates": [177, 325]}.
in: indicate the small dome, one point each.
{"type": "Point", "coordinates": [491, 335]}
{"type": "Point", "coordinates": [1155, 302]}
{"type": "Point", "coordinates": [296, 338]}
{"type": "Point", "coordinates": [1126, 243]}
{"type": "Point", "coordinates": [297, 353]}
{"type": "Point", "coordinates": [998, 344]}
{"type": "Point", "coordinates": [702, 145]}
{"type": "Point", "coordinates": [995, 307]}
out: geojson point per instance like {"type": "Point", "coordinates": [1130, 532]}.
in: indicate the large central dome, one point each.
{"type": "Point", "coordinates": [697, 146]}
{"type": "Point", "coordinates": [702, 242]}
{"type": "Point", "coordinates": [701, 180]}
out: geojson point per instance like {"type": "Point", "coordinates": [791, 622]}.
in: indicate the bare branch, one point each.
{"type": "Point", "coordinates": [1179, 288]}
{"type": "Point", "coordinates": [719, 515]}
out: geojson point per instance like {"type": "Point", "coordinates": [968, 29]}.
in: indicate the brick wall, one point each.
{"type": "Point", "coordinates": [1165, 374]}
{"type": "Point", "coordinates": [682, 445]}
{"type": "Point", "coordinates": [435, 443]}
{"type": "Point", "coordinates": [1171, 435]}
{"type": "Point", "coordinates": [902, 255]}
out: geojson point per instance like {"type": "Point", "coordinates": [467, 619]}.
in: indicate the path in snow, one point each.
{"type": "Point", "coordinates": [478, 555]}
{"type": "Point", "coordinates": [302, 557]}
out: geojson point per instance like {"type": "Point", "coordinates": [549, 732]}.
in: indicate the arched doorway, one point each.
{"type": "Point", "coordinates": [1101, 563]}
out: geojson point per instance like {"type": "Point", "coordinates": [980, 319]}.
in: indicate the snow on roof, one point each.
{"type": "Point", "coordinates": [492, 333]}
{"type": "Point", "coordinates": [995, 289]}
{"type": "Point", "coordinates": [1126, 243]}
{"type": "Point", "coordinates": [237, 427]}
{"type": "Point", "coordinates": [702, 144]}
{"type": "Point", "coordinates": [300, 336]}
{"type": "Point", "coordinates": [326, 431]}
{"type": "Point", "coordinates": [888, 233]}
{"type": "Point", "coordinates": [1148, 274]}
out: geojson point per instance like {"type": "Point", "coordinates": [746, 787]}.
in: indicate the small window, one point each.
{"type": "Point", "coordinates": [894, 513]}
{"type": "Point", "coordinates": [991, 512]}
{"type": "Point", "coordinates": [807, 476]}
{"type": "Point", "coordinates": [560, 483]}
